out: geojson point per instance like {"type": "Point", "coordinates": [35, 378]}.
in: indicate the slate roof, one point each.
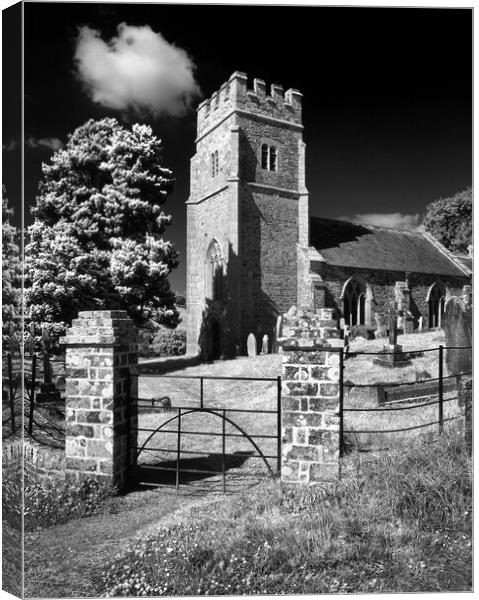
{"type": "Point", "coordinates": [465, 260]}
{"type": "Point", "coordinates": [369, 247]}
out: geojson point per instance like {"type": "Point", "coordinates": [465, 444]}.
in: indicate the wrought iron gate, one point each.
{"type": "Point", "coordinates": [255, 432]}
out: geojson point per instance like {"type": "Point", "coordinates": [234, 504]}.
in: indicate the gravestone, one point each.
{"type": "Point", "coordinates": [251, 345]}
{"type": "Point", "coordinates": [381, 331]}
{"type": "Point", "coordinates": [265, 344]}
{"type": "Point", "coordinates": [457, 325]}
{"type": "Point", "coordinates": [392, 354]}
{"type": "Point", "coordinates": [420, 324]}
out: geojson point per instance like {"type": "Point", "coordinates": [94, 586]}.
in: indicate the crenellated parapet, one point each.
{"type": "Point", "coordinates": [234, 95]}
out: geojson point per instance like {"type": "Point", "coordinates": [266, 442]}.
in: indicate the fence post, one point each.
{"type": "Point", "coordinates": [32, 394]}
{"type": "Point", "coordinates": [223, 457]}
{"type": "Point", "coordinates": [178, 451]}
{"type": "Point", "coordinates": [441, 390]}
{"type": "Point", "coordinates": [341, 402]}
{"type": "Point", "coordinates": [278, 449]}
{"type": "Point", "coordinates": [10, 391]}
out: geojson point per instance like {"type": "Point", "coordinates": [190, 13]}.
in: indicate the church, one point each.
{"type": "Point", "coordinates": [253, 250]}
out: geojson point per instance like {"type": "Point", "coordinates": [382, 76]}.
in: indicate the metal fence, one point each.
{"type": "Point", "coordinates": [413, 401]}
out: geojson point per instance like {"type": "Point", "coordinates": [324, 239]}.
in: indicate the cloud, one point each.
{"type": "Point", "coordinates": [52, 143]}
{"type": "Point", "coordinates": [9, 146]}
{"type": "Point", "coordinates": [137, 70]}
{"type": "Point", "coordinates": [395, 220]}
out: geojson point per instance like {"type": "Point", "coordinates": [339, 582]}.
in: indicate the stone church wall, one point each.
{"type": "Point", "coordinates": [383, 285]}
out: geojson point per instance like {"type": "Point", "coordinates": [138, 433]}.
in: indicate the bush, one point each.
{"type": "Point", "coordinates": [399, 522]}
{"type": "Point", "coordinates": [52, 501]}
{"type": "Point", "coordinates": [164, 342]}
{"type": "Point", "coordinates": [361, 331]}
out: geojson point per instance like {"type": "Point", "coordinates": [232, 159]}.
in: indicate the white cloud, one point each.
{"type": "Point", "coordinates": [52, 143]}
{"type": "Point", "coordinates": [395, 220]}
{"type": "Point", "coordinates": [9, 146]}
{"type": "Point", "coordinates": [138, 69]}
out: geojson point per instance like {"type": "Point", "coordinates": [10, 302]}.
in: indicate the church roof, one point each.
{"type": "Point", "coordinates": [369, 247]}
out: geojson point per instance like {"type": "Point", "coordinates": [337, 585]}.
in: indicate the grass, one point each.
{"type": "Point", "coordinates": [397, 522]}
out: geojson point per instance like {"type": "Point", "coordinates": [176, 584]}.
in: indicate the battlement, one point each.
{"type": "Point", "coordinates": [234, 94]}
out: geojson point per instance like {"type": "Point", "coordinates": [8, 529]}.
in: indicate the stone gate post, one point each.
{"type": "Point", "coordinates": [310, 396]}
{"type": "Point", "coordinates": [101, 395]}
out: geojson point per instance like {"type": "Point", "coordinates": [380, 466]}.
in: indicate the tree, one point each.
{"type": "Point", "coordinates": [449, 220]}
{"type": "Point", "coordinates": [11, 273]}
{"type": "Point", "coordinates": [96, 241]}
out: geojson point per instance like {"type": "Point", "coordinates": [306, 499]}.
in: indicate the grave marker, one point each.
{"type": "Point", "coordinates": [251, 345]}
{"type": "Point", "coordinates": [457, 325]}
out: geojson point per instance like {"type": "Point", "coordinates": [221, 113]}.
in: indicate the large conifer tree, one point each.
{"type": "Point", "coordinates": [450, 220]}
{"type": "Point", "coordinates": [96, 241]}
{"type": "Point", "coordinates": [11, 273]}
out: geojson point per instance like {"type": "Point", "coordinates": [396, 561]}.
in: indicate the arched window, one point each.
{"type": "Point", "coordinates": [269, 158]}
{"type": "Point", "coordinates": [214, 272]}
{"type": "Point", "coordinates": [436, 303]}
{"type": "Point", "coordinates": [355, 303]}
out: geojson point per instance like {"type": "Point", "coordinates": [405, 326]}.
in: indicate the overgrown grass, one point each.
{"type": "Point", "coordinates": [49, 502]}
{"type": "Point", "coordinates": [396, 522]}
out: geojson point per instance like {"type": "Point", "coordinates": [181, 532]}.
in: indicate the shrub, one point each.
{"type": "Point", "coordinates": [165, 342]}
{"type": "Point", "coordinates": [397, 522]}
{"type": "Point", "coordinates": [361, 331]}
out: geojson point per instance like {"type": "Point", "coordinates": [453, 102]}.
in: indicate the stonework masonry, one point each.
{"type": "Point", "coordinates": [101, 395]}
{"type": "Point", "coordinates": [310, 396]}
{"type": "Point", "coordinates": [257, 216]}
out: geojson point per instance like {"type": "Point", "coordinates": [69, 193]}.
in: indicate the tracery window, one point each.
{"type": "Point", "coordinates": [437, 302]}
{"type": "Point", "coordinates": [214, 272]}
{"type": "Point", "coordinates": [354, 301]}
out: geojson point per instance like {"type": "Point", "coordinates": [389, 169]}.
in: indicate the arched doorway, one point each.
{"type": "Point", "coordinates": [213, 340]}
{"type": "Point", "coordinates": [356, 303]}
{"type": "Point", "coordinates": [436, 303]}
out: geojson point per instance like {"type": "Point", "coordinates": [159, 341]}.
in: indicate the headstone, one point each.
{"type": "Point", "coordinates": [392, 354]}
{"type": "Point", "coordinates": [381, 330]}
{"type": "Point", "coordinates": [457, 325]}
{"type": "Point", "coordinates": [420, 324]}
{"type": "Point", "coordinates": [251, 345]}
{"type": "Point", "coordinates": [393, 326]}
{"type": "Point", "coordinates": [265, 344]}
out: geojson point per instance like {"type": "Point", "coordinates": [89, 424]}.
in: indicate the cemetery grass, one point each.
{"type": "Point", "coordinates": [396, 522]}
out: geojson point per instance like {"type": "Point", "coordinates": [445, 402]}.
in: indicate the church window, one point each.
{"type": "Point", "coordinates": [214, 272]}
{"type": "Point", "coordinates": [437, 302]}
{"type": "Point", "coordinates": [264, 156]}
{"type": "Point", "coordinates": [355, 303]}
{"type": "Point", "coordinates": [214, 163]}
{"type": "Point", "coordinates": [273, 159]}
{"type": "Point", "coordinates": [269, 158]}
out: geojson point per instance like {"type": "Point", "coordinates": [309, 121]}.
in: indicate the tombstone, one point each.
{"type": "Point", "coordinates": [420, 325]}
{"type": "Point", "coordinates": [277, 334]}
{"type": "Point", "coordinates": [381, 331]}
{"type": "Point", "coordinates": [393, 356]}
{"type": "Point", "coordinates": [265, 344]}
{"type": "Point", "coordinates": [457, 325]}
{"type": "Point", "coordinates": [251, 345]}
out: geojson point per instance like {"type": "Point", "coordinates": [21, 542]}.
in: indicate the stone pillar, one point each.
{"type": "Point", "coordinates": [101, 395]}
{"type": "Point", "coordinates": [310, 396]}
{"type": "Point", "coordinates": [464, 398]}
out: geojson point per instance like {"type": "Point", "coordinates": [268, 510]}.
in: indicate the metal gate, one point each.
{"type": "Point", "coordinates": [176, 448]}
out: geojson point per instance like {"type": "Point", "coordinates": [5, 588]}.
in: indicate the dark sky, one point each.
{"type": "Point", "coordinates": [387, 94]}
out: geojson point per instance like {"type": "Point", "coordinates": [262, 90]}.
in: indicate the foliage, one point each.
{"type": "Point", "coordinates": [96, 239]}
{"type": "Point", "coordinates": [11, 273]}
{"type": "Point", "coordinates": [180, 300]}
{"type": "Point", "coordinates": [449, 220]}
{"type": "Point", "coordinates": [397, 522]}
{"type": "Point", "coordinates": [361, 331]}
{"type": "Point", "coordinates": [51, 501]}
{"type": "Point", "coordinates": [164, 342]}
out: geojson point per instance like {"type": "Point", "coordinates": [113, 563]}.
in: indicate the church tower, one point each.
{"type": "Point", "coordinates": [247, 215]}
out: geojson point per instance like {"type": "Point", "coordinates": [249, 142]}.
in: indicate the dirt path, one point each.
{"type": "Point", "coordinates": [65, 560]}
